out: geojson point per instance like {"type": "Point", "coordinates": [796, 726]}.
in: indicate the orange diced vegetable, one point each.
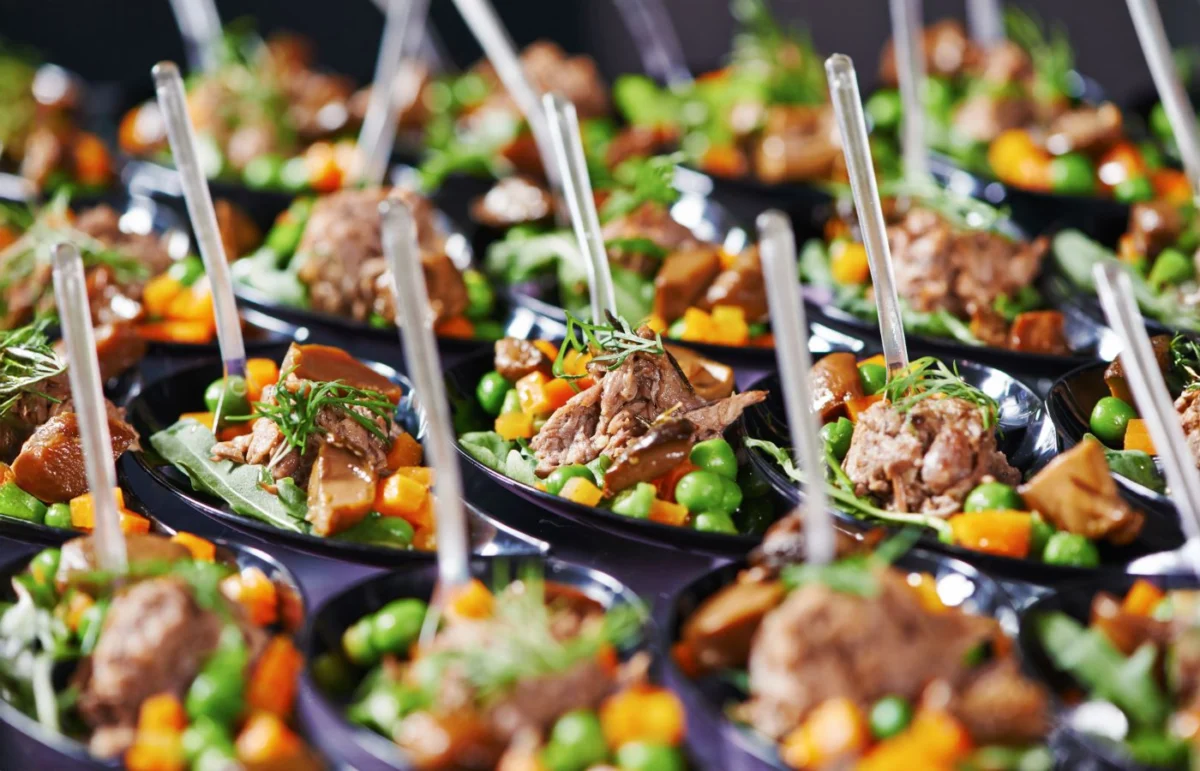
{"type": "Point", "coordinates": [256, 592]}
{"type": "Point", "coordinates": [158, 294]}
{"type": "Point", "coordinates": [133, 523]}
{"type": "Point", "coordinates": [266, 739]}
{"type": "Point", "coordinates": [1137, 437]}
{"type": "Point", "coordinates": [876, 359]}
{"type": "Point", "coordinates": [934, 741]}
{"type": "Point", "coordinates": [765, 340]}
{"type": "Point", "coordinates": [582, 491]}
{"type": "Point", "coordinates": [667, 482]}
{"type": "Point", "coordinates": [668, 513]}
{"type": "Point", "coordinates": [458, 327]}
{"type": "Point", "coordinates": [531, 390]}
{"type": "Point", "coordinates": [835, 730]}
{"type": "Point", "coordinates": [425, 539]}
{"type": "Point", "coordinates": [925, 587]}
{"type": "Point", "coordinates": [405, 451]}
{"type": "Point", "coordinates": [729, 325]}
{"type": "Point", "coordinates": [260, 373]}
{"type": "Point", "coordinates": [76, 607]}
{"type": "Point", "coordinates": [724, 161]}
{"type": "Point", "coordinates": [941, 734]}
{"type": "Point", "coordinates": [162, 712]}
{"type": "Point", "coordinates": [203, 418]}
{"type": "Point", "coordinates": [608, 658]}
{"type": "Point", "coordinates": [422, 474]}
{"type": "Point", "coordinates": [1005, 533]}
{"type": "Point", "coordinates": [697, 326]}
{"type": "Point", "coordinates": [273, 683]}
{"type": "Point", "coordinates": [156, 752]}
{"type": "Point", "coordinates": [400, 496]}
{"type": "Point", "coordinates": [324, 174]}
{"type": "Point", "coordinates": [202, 550]}
{"type": "Point", "coordinates": [6, 474]}
{"type": "Point", "coordinates": [856, 407]}
{"type": "Point", "coordinates": [1143, 597]}
{"type": "Point", "coordinates": [8, 236]}
{"type": "Point", "coordinates": [93, 164]}
{"type": "Point", "coordinates": [234, 430]}
{"type": "Point", "coordinates": [1014, 156]}
{"type": "Point", "coordinates": [83, 509]}
{"type": "Point", "coordinates": [549, 349]}
{"type": "Point", "coordinates": [643, 713]}
{"type": "Point", "coordinates": [472, 601]}
{"type": "Point", "coordinates": [657, 323]}
{"type": "Point", "coordinates": [194, 332]}
{"type": "Point", "coordinates": [848, 263]}
{"type": "Point", "coordinates": [558, 392]}
{"type": "Point", "coordinates": [514, 425]}
{"type": "Point", "coordinates": [1171, 185]}
{"type": "Point", "coordinates": [193, 304]}
{"type": "Point", "coordinates": [1120, 162]}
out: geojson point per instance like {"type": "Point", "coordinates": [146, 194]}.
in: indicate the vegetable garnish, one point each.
{"type": "Point", "coordinates": [852, 575]}
{"type": "Point", "coordinates": [611, 343]}
{"type": "Point", "coordinates": [1185, 361]}
{"type": "Point", "coordinates": [295, 411]}
{"type": "Point", "coordinates": [786, 59]}
{"type": "Point", "coordinates": [928, 377]}
{"type": "Point", "coordinates": [642, 180]}
{"type": "Point", "coordinates": [1053, 59]}
{"type": "Point", "coordinates": [26, 359]}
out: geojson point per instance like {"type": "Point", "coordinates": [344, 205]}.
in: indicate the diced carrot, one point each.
{"type": "Point", "coordinates": [156, 752]}
{"type": "Point", "coordinates": [724, 161]}
{"type": "Point", "coordinates": [194, 332]}
{"type": "Point", "coordinates": [425, 539]}
{"type": "Point", "coordinates": [685, 658]}
{"type": "Point", "coordinates": [940, 734]}
{"type": "Point", "coordinates": [1171, 185]}
{"type": "Point", "coordinates": [472, 601]}
{"type": "Point", "coordinates": [643, 713]}
{"type": "Point", "coordinates": [549, 349]}
{"type": "Point", "coordinates": [400, 496]}
{"type": "Point", "coordinates": [608, 658]}
{"type": "Point", "coordinates": [256, 593]}
{"type": "Point", "coordinates": [558, 392]}
{"type": "Point", "coordinates": [531, 391]}
{"type": "Point", "coordinates": [1143, 597]}
{"type": "Point", "coordinates": [925, 587]}
{"type": "Point", "coordinates": [1009, 151]}
{"type": "Point", "coordinates": [83, 509]}
{"type": "Point", "coordinates": [158, 294]}
{"type": "Point", "coordinates": [458, 327]}
{"type": "Point", "coordinates": [422, 474]}
{"type": "Point", "coordinates": [514, 425]}
{"type": "Point", "coordinates": [202, 549]}
{"type": "Point", "coordinates": [203, 418]}
{"type": "Point", "coordinates": [657, 323]}
{"type": "Point", "coordinates": [6, 473]}
{"type": "Point", "coordinates": [582, 491]}
{"type": "Point", "coordinates": [193, 304]}
{"type": "Point", "coordinates": [667, 482]}
{"type": "Point", "coordinates": [93, 163]}
{"type": "Point", "coordinates": [1005, 533]}
{"type": "Point", "coordinates": [260, 373]}
{"type": "Point", "coordinates": [133, 523]}
{"type": "Point", "coordinates": [1137, 437]}
{"type": "Point", "coordinates": [266, 739]}
{"type": "Point", "coordinates": [8, 236]}
{"type": "Point", "coordinates": [835, 730]}
{"type": "Point", "coordinates": [77, 605]}
{"type": "Point", "coordinates": [1120, 162]}
{"type": "Point", "coordinates": [729, 325]}
{"type": "Point", "coordinates": [765, 340]}
{"type": "Point", "coordinates": [405, 451]}
{"type": "Point", "coordinates": [667, 513]}
{"type": "Point", "coordinates": [856, 407]}
{"type": "Point", "coordinates": [848, 263]}
{"type": "Point", "coordinates": [324, 174]}
{"type": "Point", "coordinates": [697, 326]}
{"type": "Point", "coordinates": [876, 359]}
{"type": "Point", "coordinates": [272, 686]}
{"type": "Point", "coordinates": [162, 712]}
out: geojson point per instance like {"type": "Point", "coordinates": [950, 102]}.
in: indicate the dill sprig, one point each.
{"type": "Point", "coordinates": [611, 344]}
{"type": "Point", "coordinates": [1053, 58]}
{"type": "Point", "coordinates": [927, 377]}
{"type": "Point", "coordinates": [295, 410]}
{"type": "Point", "coordinates": [1184, 361]}
{"type": "Point", "coordinates": [26, 359]}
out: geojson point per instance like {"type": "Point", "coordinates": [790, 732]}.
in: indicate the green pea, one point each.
{"type": "Point", "coordinates": [1072, 174]}
{"type": "Point", "coordinates": [579, 739]}
{"type": "Point", "coordinates": [1133, 190]}
{"type": "Point", "coordinates": [1171, 267]}
{"type": "Point", "coordinates": [512, 402]}
{"type": "Point", "coordinates": [715, 522]}
{"type": "Point", "coordinates": [757, 329]}
{"type": "Point", "coordinates": [1110, 417]}
{"type": "Point", "coordinates": [356, 643]}
{"type": "Point", "coordinates": [752, 481]}
{"type": "Point", "coordinates": [873, 378]}
{"type": "Point", "coordinates": [263, 171]}
{"type": "Point", "coordinates": [717, 456]}
{"type": "Point", "coordinates": [187, 271]}
{"type": "Point", "coordinates": [755, 516]}
{"type": "Point", "coordinates": [1152, 155]}
{"type": "Point", "coordinates": [889, 716]}
{"type": "Point", "coordinates": [1071, 550]}
{"type": "Point", "coordinates": [1038, 758]}
{"type": "Point", "coordinates": [293, 175]}
{"type": "Point", "coordinates": [380, 710]}
{"type": "Point", "coordinates": [396, 625]}
{"type": "Point", "coordinates": [837, 436]}
{"type": "Point", "coordinates": [229, 394]}
{"type": "Point", "coordinates": [1039, 534]}
{"type": "Point", "coordinates": [993, 496]}
{"type": "Point", "coordinates": [939, 97]}
{"type": "Point", "coordinates": [645, 756]}
{"type": "Point", "coordinates": [481, 298]}
{"type": "Point", "coordinates": [560, 476]}
{"type": "Point", "coordinates": [700, 491]}
{"type": "Point", "coordinates": [491, 391]}
{"type": "Point", "coordinates": [44, 566]}
{"type": "Point", "coordinates": [470, 88]}
{"type": "Point", "coordinates": [332, 673]}
{"type": "Point", "coordinates": [214, 697]}
{"type": "Point", "coordinates": [203, 733]}
{"type": "Point", "coordinates": [884, 108]}
{"type": "Point", "coordinates": [731, 496]}
{"type": "Point", "coordinates": [377, 321]}
{"type": "Point", "coordinates": [58, 515]}
{"type": "Point", "coordinates": [635, 502]}
{"type": "Point", "coordinates": [15, 502]}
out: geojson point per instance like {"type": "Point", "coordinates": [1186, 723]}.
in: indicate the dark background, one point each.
{"type": "Point", "coordinates": [119, 40]}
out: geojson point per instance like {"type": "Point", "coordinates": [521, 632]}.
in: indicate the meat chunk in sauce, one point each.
{"type": "Point", "coordinates": [50, 466]}
{"type": "Point", "coordinates": [799, 142]}
{"type": "Point", "coordinates": [1154, 226]}
{"type": "Point", "coordinates": [835, 381]}
{"type": "Point", "coordinates": [1086, 129]}
{"type": "Point", "coordinates": [741, 286]}
{"type": "Point", "coordinates": [516, 358]}
{"type": "Point", "coordinates": [1076, 492]}
{"type": "Point", "coordinates": [683, 279]}
{"type": "Point", "coordinates": [948, 52]}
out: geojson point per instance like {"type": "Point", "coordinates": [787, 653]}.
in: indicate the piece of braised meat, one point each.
{"type": "Point", "coordinates": [50, 466]}
{"type": "Point", "coordinates": [1076, 492]}
{"type": "Point", "coordinates": [652, 222]}
{"type": "Point", "coordinates": [948, 52]}
{"type": "Point", "coordinates": [798, 143]}
{"type": "Point", "coordinates": [516, 358]}
{"type": "Point", "coordinates": [1153, 226]}
{"type": "Point", "coordinates": [550, 70]}
{"type": "Point", "coordinates": [926, 460]}
{"type": "Point", "coordinates": [984, 117]}
{"type": "Point", "coordinates": [741, 286]}
{"type": "Point", "coordinates": [1086, 129]}
{"type": "Point", "coordinates": [683, 279]}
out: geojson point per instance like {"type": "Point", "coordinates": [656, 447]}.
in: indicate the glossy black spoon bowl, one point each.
{"type": "Point", "coordinates": [159, 405]}
{"type": "Point", "coordinates": [1026, 437]}
{"type": "Point", "coordinates": [707, 698]}
{"type": "Point", "coordinates": [461, 382]}
{"type": "Point", "coordinates": [29, 745]}
{"type": "Point", "coordinates": [323, 714]}
{"type": "Point", "coordinates": [1075, 746]}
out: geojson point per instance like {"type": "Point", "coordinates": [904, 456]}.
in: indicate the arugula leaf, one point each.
{"type": "Point", "coordinates": [261, 271]}
{"type": "Point", "coordinates": [489, 448]}
{"type": "Point", "coordinates": [636, 246]}
{"type": "Point", "coordinates": [1134, 465]}
{"type": "Point", "coordinates": [642, 180]}
{"type": "Point", "coordinates": [516, 260]}
{"type": "Point", "coordinates": [1028, 299]}
{"type": "Point", "coordinates": [519, 467]}
{"type": "Point", "coordinates": [187, 445]}
{"type": "Point", "coordinates": [814, 264]}
{"type": "Point", "coordinates": [847, 576]}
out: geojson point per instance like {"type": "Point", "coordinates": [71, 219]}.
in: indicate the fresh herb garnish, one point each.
{"type": "Point", "coordinates": [643, 246]}
{"type": "Point", "coordinates": [928, 377]}
{"type": "Point", "coordinates": [852, 575]}
{"type": "Point", "coordinates": [1053, 59]}
{"type": "Point", "coordinates": [26, 359]}
{"type": "Point", "coordinates": [1185, 361]}
{"type": "Point", "coordinates": [639, 181]}
{"type": "Point", "coordinates": [611, 344]}
{"type": "Point", "coordinates": [784, 59]}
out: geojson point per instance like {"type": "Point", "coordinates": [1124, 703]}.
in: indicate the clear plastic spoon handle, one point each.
{"type": "Point", "coordinates": [843, 89]}
{"type": "Point", "coordinates": [200, 25]}
{"type": "Point", "coordinates": [777, 243]}
{"type": "Point", "coordinates": [173, 104]}
{"type": "Point", "coordinates": [986, 22]}
{"type": "Point", "coordinates": [909, 46]}
{"type": "Point", "coordinates": [1149, 25]}
{"type": "Point", "coordinates": [1150, 393]}
{"type": "Point", "coordinates": [403, 30]}
{"type": "Point", "coordinates": [87, 396]}
{"type": "Point", "coordinates": [498, 46]}
{"type": "Point", "coordinates": [656, 39]}
{"type": "Point", "coordinates": [414, 318]}
{"type": "Point", "coordinates": [577, 188]}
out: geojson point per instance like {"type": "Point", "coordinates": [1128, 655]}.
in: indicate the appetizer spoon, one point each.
{"type": "Point", "coordinates": [415, 321]}
{"type": "Point", "coordinates": [200, 25]}
{"type": "Point", "coordinates": [656, 39]}
{"type": "Point", "coordinates": [1151, 395]}
{"type": "Point", "coordinates": [173, 103]}
{"type": "Point", "coordinates": [777, 244]}
{"type": "Point", "coordinates": [87, 393]}
{"type": "Point", "coordinates": [1149, 25]}
{"type": "Point", "coordinates": [986, 22]}
{"type": "Point", "coordinates": [843, 89]}
{"type": "Point", "coordinates": [577, 188]}
{"type": "Point", "coordinates": [402, 33]}
{"type": "Point", "coordinates": [909, 43]}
